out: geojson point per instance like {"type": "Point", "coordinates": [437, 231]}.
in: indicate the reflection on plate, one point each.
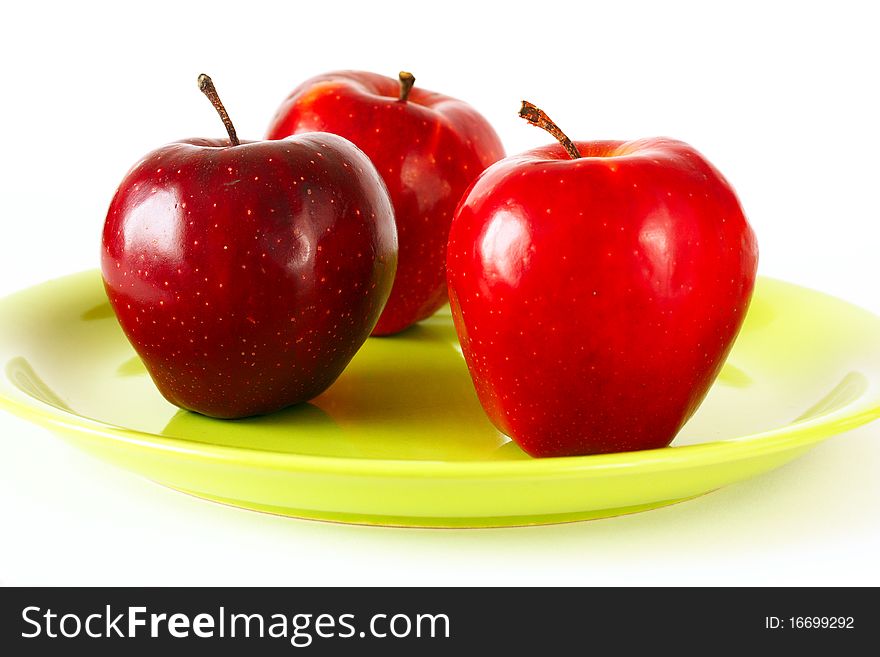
{"type": "Point", "coordinates": [400, 438]}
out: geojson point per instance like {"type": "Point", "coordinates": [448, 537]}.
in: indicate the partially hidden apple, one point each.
{"type": "Point", "coordinates": [247, 274]}
{"type": "Point", "coordinates": [597, 288]}
{"type": "Point", "coordinates": [428, 148]}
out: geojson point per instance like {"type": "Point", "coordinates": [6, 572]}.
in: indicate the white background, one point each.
{"type": "Point", "coordinates": [782, 97]}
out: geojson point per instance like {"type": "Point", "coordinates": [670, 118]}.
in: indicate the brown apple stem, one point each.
{"type": "Point", "coordinates": [407, 80]}
{"type": "Point", "coordinates": [538, 117]}
{"type": "Point", "coordinates": [206, 86]}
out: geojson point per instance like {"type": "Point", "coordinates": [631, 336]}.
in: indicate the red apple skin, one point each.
{"type": "Point", "coordinates": [596, 299]}
{"type": "Point", "coordinates": [247, 277]}
{"type": "Point", "coordinates": [428, 149]}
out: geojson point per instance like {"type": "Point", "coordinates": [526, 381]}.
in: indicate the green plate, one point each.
{"type": "Point", "coordinates": [400, 438]}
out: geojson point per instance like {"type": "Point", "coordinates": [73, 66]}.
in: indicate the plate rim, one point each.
{"type": "Point", "coordinates": [861, 411]}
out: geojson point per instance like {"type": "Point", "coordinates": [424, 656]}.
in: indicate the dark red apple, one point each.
{"type": "Point", "coordinates": [247, 275]}
{"type": "Point", "coordinates": [597, 289]}
{"type": "Point", "coordinates": [428, 147]}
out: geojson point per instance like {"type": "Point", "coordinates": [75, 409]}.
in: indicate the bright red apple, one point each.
{"type": "Point", "coordinates": [428, 148]}
{"type": "Point", "coordinates": [247, 275]}
{"type": "Point", "coordinates": [597, 288]}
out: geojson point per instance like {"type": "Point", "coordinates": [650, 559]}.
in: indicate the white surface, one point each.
{"type": "Point", "coordinates": [780, 96]}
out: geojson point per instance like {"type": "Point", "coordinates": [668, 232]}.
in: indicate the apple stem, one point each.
{"type": "Point", "coordinates": [407, 80]}
{"type": "Point", "coordinates": [206, 86]}
{"type": "Point", "coordinates": [538, 117]}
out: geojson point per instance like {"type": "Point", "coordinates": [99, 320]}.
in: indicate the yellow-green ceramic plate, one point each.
{"type": "Point", "coordinates": [400, 438]}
